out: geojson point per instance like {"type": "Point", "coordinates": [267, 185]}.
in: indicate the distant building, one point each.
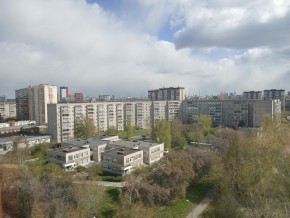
{"type": "Point", "coordinates": [7, 109]}
{"type": "Point", "coordinates": [275, 94]}
{"type": "Point", "coordinates": [79, 97]}
{"type": "Point", "coordinates": [171, 93]}
{"type": "Point", "coordinates": [259, 108]}
{"type": "Point", "coordinates": [22, 108]}
{"type": "Point", "coordinates": [106, 97]}
{"type": "Point", "coordinates": [63, 94]}
{"type": "Point", "coordinates": [2, 98]}
{"type": "Point", "coordinates": [6, 144]}
{"type": "Point", "coordinates": [38, 98]}
{"type": "Point", "coordinates": [253, 95]}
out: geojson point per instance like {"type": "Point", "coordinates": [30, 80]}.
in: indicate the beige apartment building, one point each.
{"type": "Point", "coordinates": [230, 113]}
{"type": "Point", "coordinates": [70, 157]}
{"type": "Point", "coordinates": [7, 109]}
{"type": "Point", "coordinates": [39, 97]}
{"type": "Point", "coordinates": [171, 93]}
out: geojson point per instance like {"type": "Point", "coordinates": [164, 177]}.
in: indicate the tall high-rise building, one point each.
{"type": "Point", "coordinates": [252, 95]}
{"type": "Point", "coordinates": [275, 94]}
{"type": "Point", "coordinates": [171, 93]}
{"type": "Point", "coordinates": [22, 109]}
{"type": "Point", "coordinates": [38, 98]}
{"type": "Point", "coordinates": [63, 94]}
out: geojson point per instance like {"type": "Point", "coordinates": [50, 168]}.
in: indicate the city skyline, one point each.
{"type": "Point", "coordinates": [125, 48]}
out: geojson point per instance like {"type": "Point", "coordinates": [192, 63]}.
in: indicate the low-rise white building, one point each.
{"type": "Point", "coordinates": [122, 160]}
{"type": "Point", "coordinates": [70, 157]}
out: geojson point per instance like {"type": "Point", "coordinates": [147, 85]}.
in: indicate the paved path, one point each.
{"type": "Point", "coordinates": [197, 211]}
{"type": "Point", "coordinates": [102, 183]}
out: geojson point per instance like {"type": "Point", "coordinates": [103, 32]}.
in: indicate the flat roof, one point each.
{"type": "Point", "coordinates": [81, 142]}
{"type": "Point", "coordinates": [28, 138]}
{"type": "Point", "coordinates": [67, 149]}
{"type": "Point", "coordinates": [122, 151]}
{"type": "Point", "coordinates": [134, 143]}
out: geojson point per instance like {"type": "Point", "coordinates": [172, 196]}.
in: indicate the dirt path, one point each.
{"type": "Point", "coordinates": [199, 209]}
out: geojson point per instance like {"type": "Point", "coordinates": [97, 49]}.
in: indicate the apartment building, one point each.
{"type": "Point", "coordinates": [70, 157]}
{"type": "Point", "coordinates": [7, 109]}
{"type": "Point", "coordinates": [63, 94]}
{"type": "Point", "coordinates": [122, 160]}
{"type": "Point", "coordinates": [259, 108]}
{"type": "Point", "coordinates": [231, 113]}
{"type": "Point", "coordinates": [194, 108]}
{"type": "Point", "coordinates": [38, 98]}
{"type": "Point", "coordinates": [22, 109]}
{"type": "Point", "coordinates": [171, 93]}
{"type": "Point", "coordinates": [271, 94]}
{"type": "Point", "coordinates": [235, 113]}
{"type": "Point", "coordinates": [143, 114]}
{"type": "Point", "coordinates": [253, 95]}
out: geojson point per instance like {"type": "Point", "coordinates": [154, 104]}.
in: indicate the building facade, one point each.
{"type": "Point", "coordinates": [258, 109]}
{"type": "Point", "coordinates": [253, 95]}
{"type": "Point", "coordinates": [63, 94]}
{"type": "Point", "coordinates": [70, 157]}
{"type": "Point", "coordinates": [122, 160]}
{"type": "Point", "coordinates": [39, 97]}
{"type": "Point", "coordinates": [144, 114]}
{"type": "Point", "coordinates": [22, 109]}
{"type": "Point", "coordinates": [7, 109]}
{"type": "Point", "coordinates": [171, 93]}
{"type": "Point", "coordinates": [271, 94]}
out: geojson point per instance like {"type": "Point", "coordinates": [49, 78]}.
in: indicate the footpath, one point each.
{"type": "Point", "coordinates": [200, 208]}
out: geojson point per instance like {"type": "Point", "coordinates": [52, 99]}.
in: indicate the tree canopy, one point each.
{"type": "Point", "coordinates": [84, 127]}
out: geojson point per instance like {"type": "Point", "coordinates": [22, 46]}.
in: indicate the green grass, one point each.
{"type": "Point", "coordinates": [135, 132]}
{"type": "Point", "coordinates": [195, 193]}
{"type": "Point", "coordinates": [177, 208]}
{"type": "Point", "coordinates": [198, 189]}
{"type": "Point", "coordinates": [111, 203]}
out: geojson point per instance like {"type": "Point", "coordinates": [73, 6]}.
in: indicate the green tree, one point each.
{"type": "Point", "coordinates": [84, 127]}
{"type": "Point", "coordinates": [177, 133]}
{"type": "Point", "coordinates": [129, 128]}
{"type": "Point", "coordinates": [205, 123]}
{"type": "Point", "coordinates": [111, 131]}
{"type": "Point", "coordinates": [162, 133]}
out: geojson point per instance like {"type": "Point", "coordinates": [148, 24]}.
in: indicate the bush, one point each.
{"type": "Point", "coordinates": [80, 169]}
{"type": "Point", "coordinates": [112, 178]}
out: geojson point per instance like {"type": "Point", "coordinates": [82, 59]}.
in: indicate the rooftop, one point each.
{"type": "Point", "coordinates": [67, 149]}
{"type": "Point", "coordinates": [133, 143]}
{"type": "Point", "coordinates": [122, 151]}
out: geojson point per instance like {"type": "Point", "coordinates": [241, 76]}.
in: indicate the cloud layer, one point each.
{"type": "Point", "coordinates": [218, 45]}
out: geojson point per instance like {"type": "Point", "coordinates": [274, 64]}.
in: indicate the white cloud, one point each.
{"type": "Point", "coordinates": [89, 49]}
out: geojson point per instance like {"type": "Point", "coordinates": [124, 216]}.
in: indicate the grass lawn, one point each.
{"type": "Point", "coordinates": [135, 132]}
{"type": "Point", "coordinates": [195, 193]}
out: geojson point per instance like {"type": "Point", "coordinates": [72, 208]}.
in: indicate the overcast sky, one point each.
{"type": "Point", "coordinates": [125, 47]}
